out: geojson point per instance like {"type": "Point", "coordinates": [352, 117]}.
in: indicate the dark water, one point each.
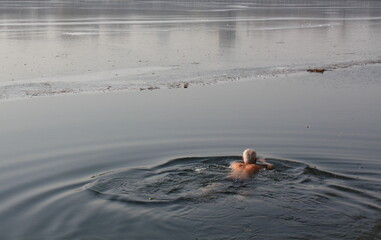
{"type": "Point", "coordinates": [143, 166]}
{"type": "Point", "coordinates": [294, 201]}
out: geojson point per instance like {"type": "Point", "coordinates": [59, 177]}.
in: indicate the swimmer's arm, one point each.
{"type": "Point", "coordinates": [263, 161]}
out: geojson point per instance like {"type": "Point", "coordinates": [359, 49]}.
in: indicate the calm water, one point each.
{"type": "Point", "coordinates": [142, 166]}
{"type": "Point", "coordinates": [154, 164]}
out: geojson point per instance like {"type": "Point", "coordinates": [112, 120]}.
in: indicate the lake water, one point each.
{"type": "Point", "coordinates": [155, 164]}
{"type": "Point", "coordinates": [140, 165]}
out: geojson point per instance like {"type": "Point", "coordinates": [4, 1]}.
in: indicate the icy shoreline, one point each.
{"type": "Point", "coordinates": [150, 78]}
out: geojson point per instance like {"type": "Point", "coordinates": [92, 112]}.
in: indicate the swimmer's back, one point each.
{"type": "Point", "coordinates": [243, 170]}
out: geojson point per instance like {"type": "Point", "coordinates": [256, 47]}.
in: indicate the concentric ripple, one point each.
{"type": "Point", "coordinates": [202, 179]}
{"type": "Point", "coordinates": [185, 179]}
{"type": "Point", "coordinates": [198, 192]}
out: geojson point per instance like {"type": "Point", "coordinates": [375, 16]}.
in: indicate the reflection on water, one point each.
{"type": "Point", "coordinates": [56, 47]}
{"type": "Point", "coordinates": [143, 165]}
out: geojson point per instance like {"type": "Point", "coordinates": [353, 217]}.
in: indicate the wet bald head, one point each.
{"type": "Point", "coordinates": [249, 156]}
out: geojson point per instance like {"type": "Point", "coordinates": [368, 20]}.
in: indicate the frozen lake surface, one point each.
{"type": "Point", "coordinates": [57, 47]}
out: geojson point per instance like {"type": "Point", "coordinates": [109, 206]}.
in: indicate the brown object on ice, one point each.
{"type": "Point", "coordinates": [186, 85]}
{"type": "Point", "coordinates": [152, 88]}
{"type": "Point", "coordinates": [319, 70]}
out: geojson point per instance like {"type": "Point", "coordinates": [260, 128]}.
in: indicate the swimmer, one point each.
{"type": "Point", "coordinates": [248, 167]}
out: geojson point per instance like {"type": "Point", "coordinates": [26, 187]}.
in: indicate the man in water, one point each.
{"type": "Point", "coordinates": [248, 167]}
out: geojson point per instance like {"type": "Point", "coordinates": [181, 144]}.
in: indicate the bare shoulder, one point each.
{"type": "Point", "coordinates": [236, 165]}
{"type": "Point", "coordinates": [254, 167]}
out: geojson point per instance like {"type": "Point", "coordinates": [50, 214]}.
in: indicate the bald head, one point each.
{"type": "Point", "coordinates": [249, 156]}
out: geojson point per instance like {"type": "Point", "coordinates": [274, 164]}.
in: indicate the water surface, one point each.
{"type": "Point", "coordinates": [155, 164]}
{"type": "Point", "coordinates": [141, 165]}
